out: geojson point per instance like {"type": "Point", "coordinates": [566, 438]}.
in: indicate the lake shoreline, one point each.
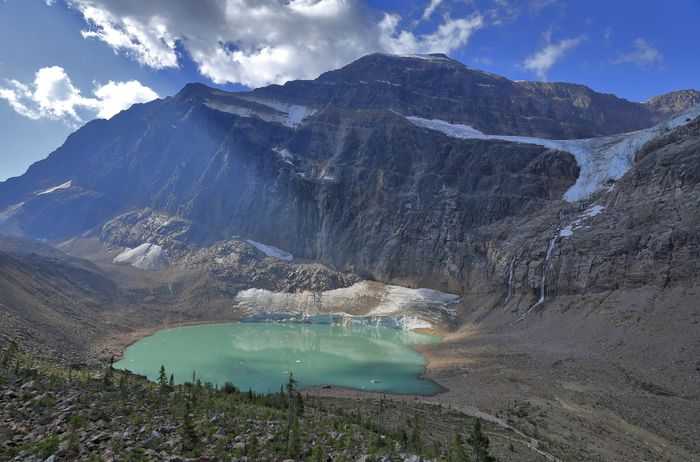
{"type": "Point", "coordinates": [119, 345]}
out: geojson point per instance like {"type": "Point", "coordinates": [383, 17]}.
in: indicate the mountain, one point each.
{"type": "Point", "coordinates": [674, 102]}
{"type": "Point", "coordinates": [549, 231]}
{"type": "Point", "coordinates": [53, 302]}
{"type": "Point", "coordinates": [436, 87]}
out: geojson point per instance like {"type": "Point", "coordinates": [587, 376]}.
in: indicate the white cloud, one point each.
{"type": "Point", "coordinates": [644, 55]}
{"type": "Point", "coordinates": [542, 61]}
{"type": "Point", "coordinates": [538, 5]}
{"type": "Point", "coordinates": [450, 35]}
{"type": "Point", "coordinates": [52, 95]}
{"type": "Point", "coordinates": [430, 9]}
{"type": "Point", "coordinates": [258, 42]}
{"type": "Point", "coordinates": [114, 97]}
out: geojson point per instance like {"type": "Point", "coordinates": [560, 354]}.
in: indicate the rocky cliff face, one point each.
{"type": "Point", "coordinates": [673, 102]}
{"type": "Point", "coordinates": [437, 87]}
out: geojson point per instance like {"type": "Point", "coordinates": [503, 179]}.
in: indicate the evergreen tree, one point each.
{"type": "Point", "coordinates": [294, 445]}
{"type": "Point", "coordinates": [10, 353]}
{"type": "Point", "coordinates": [319, 453]}
{"type": "Point", "coordinates": [457, 452]}
{"type": "Point", "coordinates": [291, 384]}
{"type": "Point", "coordinates": [122, 380]}
{"type": "Point", "coordinates": [298, 404]}
{"type": "Point", "coordinates": [162, 379]}
{"type": "Point", "coordinates": [190, 438]}
{"type": "Point", "coordinates": [480, 444]}
{"type": "Point", "coordinates": [171, 382]}
{"type": "Point", "coordinates": [251, 448]}
{"type": "Point", "coordinates": [109, 373]}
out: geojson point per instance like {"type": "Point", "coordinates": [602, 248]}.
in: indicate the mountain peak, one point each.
{"type": "Point", "coordinates": [194, 89]}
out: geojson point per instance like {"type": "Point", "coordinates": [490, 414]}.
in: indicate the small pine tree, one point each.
{"type": "Point", "coordinates": [190, 438]}
{"type": "Point", "coordinates": [457, 452]}
{"type": "Point", "coordinates": [319, 453]}
{"type": "Point", "coordinates": [162, 379]}
{"type": "Point", "coordinates": [171, 382]}
{"type": "Point", "coordinates": [109, 373]}
{"type": "Point", "coordinates": [480, 444]}
{"type": "Point", "coordinates": [10, 353]}
{"type": "Point", "coordinates": [299, 404]}
{"type": "Point", "coordinates": [294, 445]}
{"type": "Point", "coordinates": [291, 384]}
{"type": "Point", "coordinates": [251, 448]}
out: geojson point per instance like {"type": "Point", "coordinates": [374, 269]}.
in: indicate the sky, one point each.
{"type": "Point", "coordinates": [65, 62]}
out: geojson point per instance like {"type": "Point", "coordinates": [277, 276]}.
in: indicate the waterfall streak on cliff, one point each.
{"type": "Point", "coordinates": [550, 247]}
{"type": "Point", "coordinates": [510, 279]}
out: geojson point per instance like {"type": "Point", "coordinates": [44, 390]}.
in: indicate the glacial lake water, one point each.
{"type": "Point", "coordinates": [261, 355]}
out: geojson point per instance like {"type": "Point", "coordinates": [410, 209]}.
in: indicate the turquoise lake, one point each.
{"type": "Point", "coordinates": [261, 355]}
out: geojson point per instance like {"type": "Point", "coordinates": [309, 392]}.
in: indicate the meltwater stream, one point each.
{"type": "Point", "coordinates": [259, 356]}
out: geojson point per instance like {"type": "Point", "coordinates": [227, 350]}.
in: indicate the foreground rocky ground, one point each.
{"type": "Point", "coordinates": [50, 413]}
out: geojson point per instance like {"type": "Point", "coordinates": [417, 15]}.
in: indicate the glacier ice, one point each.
{"type": "Point", "coordinates": [602, 160]}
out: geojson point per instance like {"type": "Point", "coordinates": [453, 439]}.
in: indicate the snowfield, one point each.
{"type": "Point", "coordinates": [286, 114]}
{"type": "Point", "coordinates": [271, 251]}
{"type": "Point", "coordinates": [65, 185]}
{"type": "Point", "coordinates": [602, 160]}
{"type": "Point", "coordinates": [146, 256]}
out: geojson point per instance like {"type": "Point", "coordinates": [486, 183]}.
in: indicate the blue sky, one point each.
{"type": "Point", "coordinates": [65, 62]}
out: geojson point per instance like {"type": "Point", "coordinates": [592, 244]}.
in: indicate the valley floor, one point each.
{"type": "Point", "coordinates": [569, 400]}
{"type": "Point", "coordinates": [562, 382]}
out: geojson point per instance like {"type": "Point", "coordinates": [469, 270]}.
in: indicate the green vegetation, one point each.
{"type": "Point", "coordinates": [99, 413]}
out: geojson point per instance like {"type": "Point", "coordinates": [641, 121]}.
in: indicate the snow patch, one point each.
{"type": "Point", "coordinates": [285, 154]}
{"type": "Point", "coordinates": [593, 211]}
{"type": "Point", "coordinates": [8, 225]}
{"type": "Point", "coordinates": [412, 323]}
{"type": "Point", "coordinates": [578, 222]}
{"type": "Point", "coordinates": [566, 232]}
{"type": "Point", "coordinates": [65, 185]}
{"type": "Point", "coordinates": [146, 256]}
{"type": "Point", "coordinates": [602, 160]}
{"type": "Point", "coordinates": [271, 251]}
{"type": "Point", "coordinates": [286, 114]}
{"type": "Point", "coordinates": [425, 57]}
